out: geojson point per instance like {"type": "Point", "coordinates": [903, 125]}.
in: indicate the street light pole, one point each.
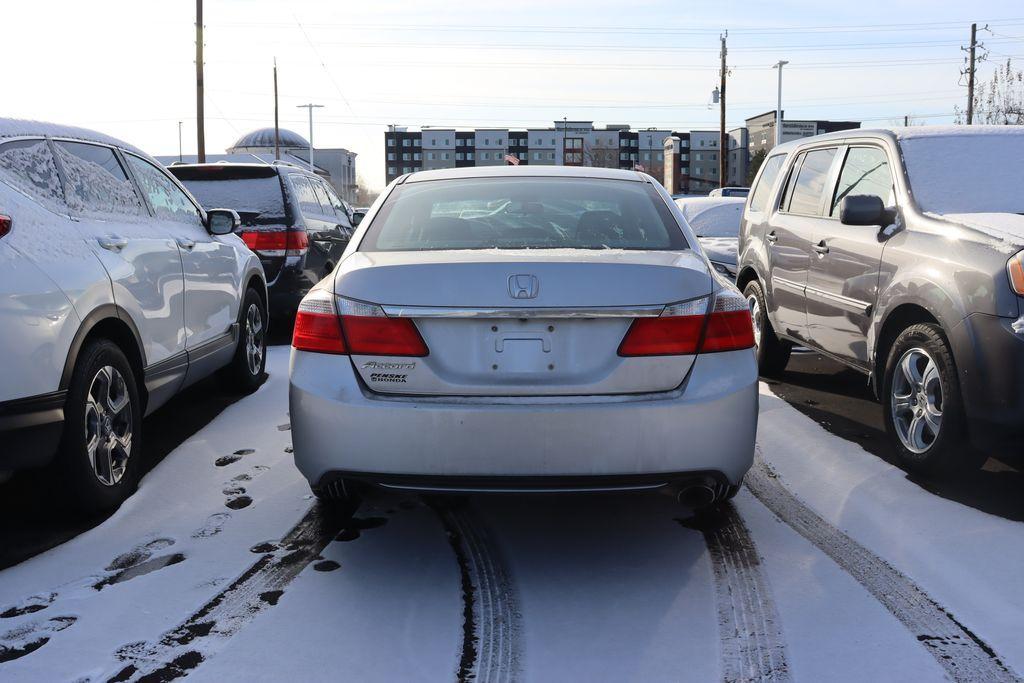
{"type": "Point", "coordinates": [310, 107]}
{"type": "Point", "coordinates": [778, 107]}
{"type": "Point", "coordinates": [179, 141]}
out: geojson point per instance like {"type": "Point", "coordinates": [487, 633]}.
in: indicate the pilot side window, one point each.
{"type": "Point", "coordinates": [807, 186]}
{"type": "Point", "coordinates": [759, 196]}
{"type": "Point", "coordinates": [865, 172]}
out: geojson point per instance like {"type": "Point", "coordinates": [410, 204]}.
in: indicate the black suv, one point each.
{"type": "Point", "coordinates": [899, 253]}
{"type": "Point", "coordinates": [292, 218]}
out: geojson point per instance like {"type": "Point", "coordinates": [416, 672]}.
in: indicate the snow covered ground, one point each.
{"type": "Point", "coordinates": [830, 565]}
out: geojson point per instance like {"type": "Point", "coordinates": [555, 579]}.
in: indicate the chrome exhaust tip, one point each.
{"type": "Point", "coordinates": [695, 495]}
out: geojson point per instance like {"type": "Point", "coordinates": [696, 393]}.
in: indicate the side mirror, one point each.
{"type": "Point", "coordinates": [863, 209]}
{"type": "Point", "coordinates": [357, 218]}
{"type": "Point", "coordinates": [222, 221]}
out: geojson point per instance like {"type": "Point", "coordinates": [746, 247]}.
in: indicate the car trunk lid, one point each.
{"type": "Point", "coordinates": [523, 322]}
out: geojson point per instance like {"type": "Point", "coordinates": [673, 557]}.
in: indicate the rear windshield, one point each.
{"type": "Point", "coordinates": [259, 201]}
{"type": "Point", "coordinates": [523, 213]}
{"type": "Point", "coordinates": [721, 220]}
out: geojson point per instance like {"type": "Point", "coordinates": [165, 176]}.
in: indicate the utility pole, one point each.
{"type": "Point", "coordinates": [565, 126]}
{"type": "Point", "coordinates": [179, 142]}
{"type": "Point", "coordinates": [277, 128]}
{"type": "Point", "coordinates": [723, 153]}
{"type": "Point", "coordinates": [310, 107]}
{"type": "Point", "coordinates": [778, 106]}
{"type": "Point", "coordinates": [970, 75]}
{"type": "Point", "coordinates": [200, 115]}
{"type": "Point", "coordinates": [906, 120]}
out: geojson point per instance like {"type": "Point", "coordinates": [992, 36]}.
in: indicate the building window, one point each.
{"type": "Point", "coordinates": [391, 156]}
{"type": "Point", "coordinates": [499, 141]}
{"type": "Point", "coordinates": [416, 142]}
{"type": "Point", "coordinates": [392, 170]}
{"type": "Point", "coordinates": [699, 156]}
{"type": "Point", "coordinates": [405, 143]}
{"type": "Point", "coordinates": [551, 156]}
{"type": "Point", "coordinates": [552, 141]}
{"type": "Point", "coordinates": [536, 156]}
{"type": "Point", "coordinates": [391, 142]}
{"type": "Point", "coordinates": [447, 141]}
{"type": "Point", "coordinates": [685, 170]}
{"type": "Point", "coordinates": [486, 156]}
{"type": "Point", "coordinates": [430, 156]}
{"type": "Point", "coordinates": [647, 156]}
{"type": "Point", "coordinates": [416, 156]}
{"type": "Point", "coordinates": [444, 156]}
{"type": "Point", "coordinates": [469, 156]}
{"type": "Point", "coordinates": [714, 157]}
{"type": "Point", "coordinates": [623, 156]}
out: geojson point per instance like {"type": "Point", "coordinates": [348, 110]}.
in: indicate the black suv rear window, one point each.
{"type": "Point", "coordinates": [255, 193]}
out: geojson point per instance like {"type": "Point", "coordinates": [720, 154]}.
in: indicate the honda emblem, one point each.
{"type": "Point", "coordinates": [523, 286]}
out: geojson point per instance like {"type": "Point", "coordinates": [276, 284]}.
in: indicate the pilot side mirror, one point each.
{"type": "Point", "coordinates": [865, 209]}
{"type": "Point", "coordinates": [222, 221]}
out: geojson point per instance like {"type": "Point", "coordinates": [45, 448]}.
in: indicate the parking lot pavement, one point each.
{"type": "Point", "coordinates": [222, 567]}
{"type": "Point", "coordinates": [840, 400]}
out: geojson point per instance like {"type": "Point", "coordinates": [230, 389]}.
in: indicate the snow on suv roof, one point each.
{"type": "Point", "coordinates": [10, 128]}
{"type": "Point", "coordinates": [525, 171]}
{"type": "Point", "coordinates": [914, 132]}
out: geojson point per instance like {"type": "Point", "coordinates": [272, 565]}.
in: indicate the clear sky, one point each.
{"type": "Point", "coordinates": [126, 67]}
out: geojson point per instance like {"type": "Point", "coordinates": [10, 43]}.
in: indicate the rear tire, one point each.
{"type": "Point", "coordinates": [245, 373]}
{"type": "Point", "coordinates": [922, 404]}
{"type": "Point", "coordinates": [772, 352]}
{"type": "Point", "coordinates": [99, 459]}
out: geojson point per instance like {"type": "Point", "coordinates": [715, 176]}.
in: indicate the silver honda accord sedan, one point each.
{"type": "Point", "coordinates": [517, 329]}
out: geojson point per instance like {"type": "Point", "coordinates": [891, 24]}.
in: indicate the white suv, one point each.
{"type": "Point", "coordinates": [116, 291]}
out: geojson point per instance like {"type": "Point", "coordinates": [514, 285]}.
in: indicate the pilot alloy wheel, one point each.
{"type": "Point", "coordinates": [923, 409]}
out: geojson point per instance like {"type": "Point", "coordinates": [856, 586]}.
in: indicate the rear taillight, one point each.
{"type": "Point", "coordinates": [675, 332]}
{"type": "Point", "coordinates": [317, 325]}
{"type": "Point", "coordinates": [688, 328]}
{"type": "Point", "coordinates": [729, 325]}
{"type": "Point", "coordinates": [290, 242]}
{"type": "Point", "coordinates": [5, 225]}
{"type": "Point", "coordinates": [353, 327]}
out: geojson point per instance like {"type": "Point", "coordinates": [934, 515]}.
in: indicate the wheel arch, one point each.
{"type": "Point", "coordinates": [114, 324]}
{"type": "Point", "coordinates": [898, 319]}
{"type": "Point", "coordinates": [746, 276]}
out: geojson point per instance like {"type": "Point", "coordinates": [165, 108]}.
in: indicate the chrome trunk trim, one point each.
{"type": "Point", "coordinates": [592, 312]}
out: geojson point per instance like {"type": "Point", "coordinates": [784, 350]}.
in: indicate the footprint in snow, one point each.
{"type": "Point", "coordinates": [139, 561]}
{"type": "Point", "coordinates": [31, 605]}
{"type": "Point", "coordinates": [26, 639]}
{"type": "Point", "coordinates": [238, 502]}
{"type": "Point", "coordinates": [214, 525]}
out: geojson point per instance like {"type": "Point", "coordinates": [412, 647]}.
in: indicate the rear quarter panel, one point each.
{"type": "Point", "coordinates": [47, 278]}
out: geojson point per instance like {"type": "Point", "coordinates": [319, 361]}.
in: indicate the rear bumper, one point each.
{"type": "Point", "coordinates": [990, 360]}
{"type": "Point", "coordinates": [30, 430]}
{"type": "Point", "coordinates": [707, 427]}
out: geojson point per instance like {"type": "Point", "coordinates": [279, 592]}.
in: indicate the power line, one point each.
{"type": "Point", "coordinates": [644, 30]}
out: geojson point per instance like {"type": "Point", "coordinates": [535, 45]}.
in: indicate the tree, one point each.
{"type": "Point", "coordinates": [365, 195]}
{"type": "Point", "coordinates": [756, 159]}
{"type": "Point", "coordinates": [999, 101]}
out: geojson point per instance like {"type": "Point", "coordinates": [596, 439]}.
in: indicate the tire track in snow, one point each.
{"type": "Point", "coordinates": [490, 629]}
{"type": "Point", "coordinates": [753, 647]}
{"type": "Point", "coordinates": [183, 649]}
{"type": "Point", "coordinates": [963, 655]}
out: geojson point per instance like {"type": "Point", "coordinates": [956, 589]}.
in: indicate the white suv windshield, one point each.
{"type": "Point", "coordinates": [524, 213]}
{"type": "Point", "coordinates": [966, 173]}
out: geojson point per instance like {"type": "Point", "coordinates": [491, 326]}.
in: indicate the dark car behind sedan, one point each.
{"type": "Point", "coordinates": [291, 218]}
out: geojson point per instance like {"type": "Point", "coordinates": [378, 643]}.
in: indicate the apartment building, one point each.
{"type": "Point", "coordinates": [569, 143]}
